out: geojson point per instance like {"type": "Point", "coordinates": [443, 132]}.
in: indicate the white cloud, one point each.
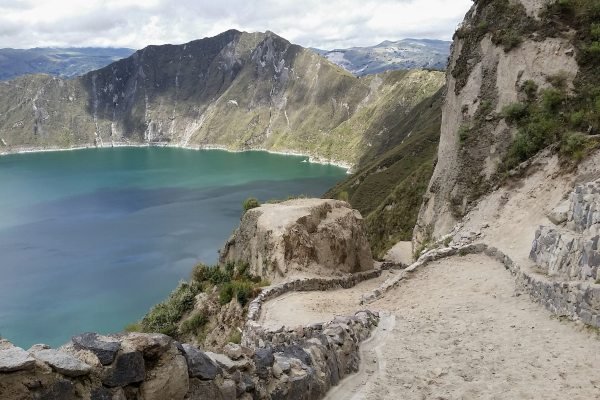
{"type": "Point", "coordinates": [133, 23]}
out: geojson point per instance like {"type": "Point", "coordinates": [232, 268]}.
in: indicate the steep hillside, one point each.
{"type": "Point", "coordinates": [389, 184]}
{"type": "Point", "coordinates": [66, 62]}
{"type": "Point", "coordinates": [389, 55]}
{"type": "Point", "coordinates": [235, 90]}
{"type": "Point", "coordinates": [522, 76]}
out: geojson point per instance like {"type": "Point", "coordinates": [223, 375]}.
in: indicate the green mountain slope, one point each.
{"type": "Point", "coordinates": [393, 175]}
{"type": "Point", "coordinates": [236, 90]}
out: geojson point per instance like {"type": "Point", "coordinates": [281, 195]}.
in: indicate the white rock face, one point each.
{"type": "Point", "coordinates": [534, 60]}
{"type": "Point", "coordinates": [300, 237]}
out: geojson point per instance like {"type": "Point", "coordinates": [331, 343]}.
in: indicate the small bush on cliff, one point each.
{"type": "Point", "coordinates": [514, 112]}
{"type": "Point", "coordinates": [165, 316]}
{"type": "Point", "coordinates": [250, 203]}
{"type": "Point", "coordinates": [194, 323]}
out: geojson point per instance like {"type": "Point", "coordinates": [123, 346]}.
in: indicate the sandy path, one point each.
{"type": "Point", "coordinates": [460, 333]}
{"type": "Point", "coordinates": [304, 308]}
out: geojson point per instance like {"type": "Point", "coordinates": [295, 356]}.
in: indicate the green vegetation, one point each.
{"type": "Point", "coordinates": [194, 323]}
{"type": "Point", "coordinates": [164, 317]}
{"type": "Point", "coordinates": [231, 282]}
{"type": "Point", "coordinates": [250, 203]}
{"type": "Point", "coordinates": [389, 184]}
{"type": "Point", "coordinates": [235, 337]}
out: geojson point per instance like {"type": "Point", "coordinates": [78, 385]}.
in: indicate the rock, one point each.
{"type": "Point", "coordinates": [63, 363]}
{"type": "Point", "coordinates": [233, 351]}
{"type": "Point", "coordinates": [15, 359]}
{"type": "Point", "coordinates": [199, 364]}
{"type": "Point", "coordinates": [104, 350]}
{"type": "Point", "coordinates": [128, 368]}
{"type": "Point", "coordinates": [169, 380]}
{"type": "Point", "coordinates": [321, 236]}
{"type": "Point", "coordinates": [263, 360]}
{"type": "Point", "coordinates": [38, 347]}
{"type": "Point", "coordinates": [227, 363]}
{"type": "Point", "coordinates": [5, 344]}
{"type": "Point", "coordinates": [227, 389]}
{"type": "Point", "coordinates": [559, 214]}
{"type": "Point", "coordinates": [151, 346]}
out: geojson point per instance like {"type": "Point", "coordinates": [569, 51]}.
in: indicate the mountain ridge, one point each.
{"type": "Point", "coordinates": [391, 55]}
{"type": "Point", "coordinates": [236, 90]}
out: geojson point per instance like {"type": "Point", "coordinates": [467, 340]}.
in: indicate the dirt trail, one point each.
{"type": "Point", "coordinates": [304, 308]}
{"type": "Point", "coordinates": [456, 330]}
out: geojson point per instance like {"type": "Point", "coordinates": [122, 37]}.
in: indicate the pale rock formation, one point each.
{"type": "Point", "coordinates": [300, 237]}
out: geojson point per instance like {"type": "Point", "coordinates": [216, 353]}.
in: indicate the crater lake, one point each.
{"type": "Point", "coordinates": [91, 239]}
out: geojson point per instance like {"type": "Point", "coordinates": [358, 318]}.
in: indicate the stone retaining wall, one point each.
{"type": "Point", "coordinates": [305, 285]}
{"type": "Point", "coordinates": [575, 300]}
{"type": "Point", "coordinates": [299, 364]}
{"type": "Point", "coordinates": [570, 250]}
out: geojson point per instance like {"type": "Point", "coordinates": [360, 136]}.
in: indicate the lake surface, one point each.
{"type": "Point", "coordinates": [91, 239]}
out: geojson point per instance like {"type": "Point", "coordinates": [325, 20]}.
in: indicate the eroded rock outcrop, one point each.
{"type": "Point", "coordinates": [484, 75]}
{"type": "Point", "coordinates": [300, 237]}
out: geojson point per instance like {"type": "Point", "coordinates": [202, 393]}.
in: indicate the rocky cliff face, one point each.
{"type": "Point", "coordinates": [236, 90]}
{"type": "Point", "coordinates": [300, 237]}
{"type": "Point", "coordinates": [502, 51]}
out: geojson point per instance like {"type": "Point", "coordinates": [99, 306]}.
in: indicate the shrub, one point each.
{"type": "Point", "coordinates": [214, 275]}
{"type": "Point", "coordinates": [463, 133]}
{"type": "Point", "coordinates": [575, 146]}
{"type": "Point", "coordinates": [242, 291]}
{"type": "Point", "coordinates": [530, 89]}
{"type": "Point", "coordinates": [134, 327]}
{"type": "Point", "coordinates": [194, 323]}
{"type": "Point", "coordinates": [558, 80]}
{"type": "Point", "coordinates": [576, 118]}
{"type": "Point", "coordinates": [163, 317]}
{"type": "Point", "coordinates": [514, 112]}
{"type": "Point", "coordinates": [508, 38]}
{"type": "Point", "coordinates": [235, 337]}
{"type": "Point", "coordinates": [343, 195]}
{"type": "Point", "coordinates": [551, 99]}
{"type": "Point", "coordinates": [250, 203]}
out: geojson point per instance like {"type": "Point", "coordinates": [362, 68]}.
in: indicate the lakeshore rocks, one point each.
{"type": "Point", "coordinates": [306, 236]}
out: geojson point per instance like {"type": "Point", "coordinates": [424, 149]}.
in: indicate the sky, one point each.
{"type": "Point", "coordinates": [325, 24]}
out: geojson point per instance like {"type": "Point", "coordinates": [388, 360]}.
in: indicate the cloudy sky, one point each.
{"type": "Point", "coordinates": [326, 24]}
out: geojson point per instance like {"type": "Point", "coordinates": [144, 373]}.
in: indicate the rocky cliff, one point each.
{"type": "Point", "coordinates": [300, 237]}
{"type": "Point", "coordinates": [521, 77]}
{"type": "Point", "coordinates": [236, 90]}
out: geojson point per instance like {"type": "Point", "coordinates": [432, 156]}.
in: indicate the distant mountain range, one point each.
{"type": "Point", "coordinates": [70, 62]}
{"type": "Point", "coordinates": [64, 62]}
{"type": "Point", "coordinates": [388, 55]}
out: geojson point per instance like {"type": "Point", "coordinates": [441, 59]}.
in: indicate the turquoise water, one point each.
{"type": "Point", "coordinates": [90, 239]}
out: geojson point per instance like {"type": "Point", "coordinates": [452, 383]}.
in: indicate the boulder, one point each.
{"type": "Point", "coordinates": [168, 380]}
{"type": "Point", "coordinates": [63, 363]}
{"type": "Point", "coordinates": [128, 368]}
{"type": "Point", "coordinates": [199, 364]}
{"type": "Point", "coordinates": [316, 236]}
{"type": "Point", "coordinates": [15, 359]}
{"type": "Point", "coordinates": [105, 350]}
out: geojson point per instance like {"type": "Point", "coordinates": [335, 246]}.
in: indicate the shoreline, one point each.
{"type": "Point", "coordinates": [310, 158]}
